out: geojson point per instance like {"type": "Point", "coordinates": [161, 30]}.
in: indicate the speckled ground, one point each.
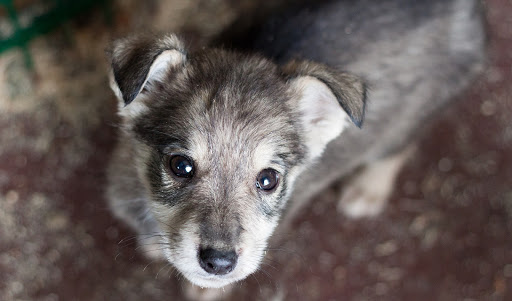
{"type": "Point", "coordinates": [446, 234]}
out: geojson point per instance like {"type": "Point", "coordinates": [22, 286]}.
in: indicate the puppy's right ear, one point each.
{"type": "Point", "coordinates": [140, 61]}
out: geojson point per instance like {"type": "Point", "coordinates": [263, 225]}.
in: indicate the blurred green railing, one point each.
{"type": "Point", "coordinates": [55, 13]}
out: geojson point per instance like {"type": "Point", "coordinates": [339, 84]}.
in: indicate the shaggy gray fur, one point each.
{"type": "Point", "coordinates": [235, 113]}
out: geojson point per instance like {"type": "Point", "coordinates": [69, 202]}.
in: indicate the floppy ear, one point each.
{"type": "Point", "coordinates": [327, 100]}
{"type": "Point", "coordinates": [140, 61]}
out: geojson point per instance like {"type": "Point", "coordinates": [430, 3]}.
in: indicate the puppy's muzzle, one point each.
{"type": "Point", "coordinates": [217, 262]}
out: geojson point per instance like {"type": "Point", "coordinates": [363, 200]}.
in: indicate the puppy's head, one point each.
{"type": "Point", "coordinates": [220, 138]}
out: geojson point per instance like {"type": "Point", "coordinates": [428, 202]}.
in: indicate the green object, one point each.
{"type": "Point", "coordinates": [60, 12]}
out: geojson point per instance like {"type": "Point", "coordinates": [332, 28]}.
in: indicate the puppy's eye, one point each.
{"type": "Point", "coordinates": [181, 166]}
{"type": "Point", "coordinates": [267, 180]}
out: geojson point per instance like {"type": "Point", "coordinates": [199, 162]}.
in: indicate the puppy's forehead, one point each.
{"type": "Point", "coordinates": [238, 109]}
{"type": "Point", "coordinates": [236, 147]}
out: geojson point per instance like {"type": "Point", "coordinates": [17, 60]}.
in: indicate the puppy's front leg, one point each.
{"type": "Point", "coordinates": [367, 192]}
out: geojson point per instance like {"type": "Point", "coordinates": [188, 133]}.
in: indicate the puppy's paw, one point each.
{"type": "Point", "coordinates": [367, 192]}
{"type": "Point", "coordinates": [358, 202]}
{"type": "Point", "coordinates": [151, 247]}
{"type": "Point", "coordinates": [196, 293]}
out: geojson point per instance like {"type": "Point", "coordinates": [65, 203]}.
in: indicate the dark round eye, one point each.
{"type": "Point", "coordinates": [267, 180]}
{"type": "Point", "coordinates": [181, 166]}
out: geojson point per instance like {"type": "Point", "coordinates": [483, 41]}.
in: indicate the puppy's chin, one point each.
{"type": "Point", "coordinates": [213, 281]}
{"type": "Point", "coordinates": [202, 279]}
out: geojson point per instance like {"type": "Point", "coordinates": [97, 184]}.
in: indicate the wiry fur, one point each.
{"type": "Point", "coordinates": [236, 114]}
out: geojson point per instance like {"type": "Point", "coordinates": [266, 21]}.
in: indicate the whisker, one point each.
{"type": "Point", "coordinates": [172, 272]}
{"type": "Point", "coordinates": [168, 270]}
{"type": "Point", "coordinates": [269, 265]}
{"type": "Point", "coordinates": [270, 279]}
{"type": "Point", "coordinates": [156, 277]}
{"type": "Point", "coordinates": [152, 244]}
{"type": "Point", "coordinates": [157, 249]}
{"type": "Point", "coordinates": [257, 281]}
{"type": "Point", "coordinates": [130, 239]}
{"type": "Point", "coordinates": [144, 269]}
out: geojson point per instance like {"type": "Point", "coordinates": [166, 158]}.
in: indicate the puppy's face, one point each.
{"type": "Point", "coordinates": [219, 139]}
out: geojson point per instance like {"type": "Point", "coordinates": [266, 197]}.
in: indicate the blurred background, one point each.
{"type": "Point", "coordinates": [446, 234]}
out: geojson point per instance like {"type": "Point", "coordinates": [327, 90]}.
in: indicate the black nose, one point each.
{"type": "Point", "coordinates": [217, 262]}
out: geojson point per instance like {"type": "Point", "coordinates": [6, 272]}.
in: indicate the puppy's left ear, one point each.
{"type": "Point", "coordinates": [327, 100]}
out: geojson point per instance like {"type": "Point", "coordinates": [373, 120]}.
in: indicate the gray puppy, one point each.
{"type": "Point", "coordinates": [217, 144]}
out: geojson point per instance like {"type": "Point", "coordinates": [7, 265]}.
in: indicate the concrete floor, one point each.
{"type": "Point", "coordinates": [446, 234]}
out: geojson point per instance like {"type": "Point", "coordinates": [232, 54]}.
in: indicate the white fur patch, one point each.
{"type": "Point", "coordinates": [135, 108]}
{"type": "Point", "coordinates": [161, 65]}
{"type": "Point", "coordinates": [323, 118]}
{"type": "Point", "coordinates": [115, 87]}
{"type": "Point", "coordinates": [263, 156]}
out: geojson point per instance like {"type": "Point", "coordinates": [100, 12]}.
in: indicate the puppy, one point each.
{"type": "Point", "coordinates": [216, 145]}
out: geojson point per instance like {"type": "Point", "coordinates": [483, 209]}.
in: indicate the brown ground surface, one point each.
{"type": "Point", "coordinates": [446, 234]}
